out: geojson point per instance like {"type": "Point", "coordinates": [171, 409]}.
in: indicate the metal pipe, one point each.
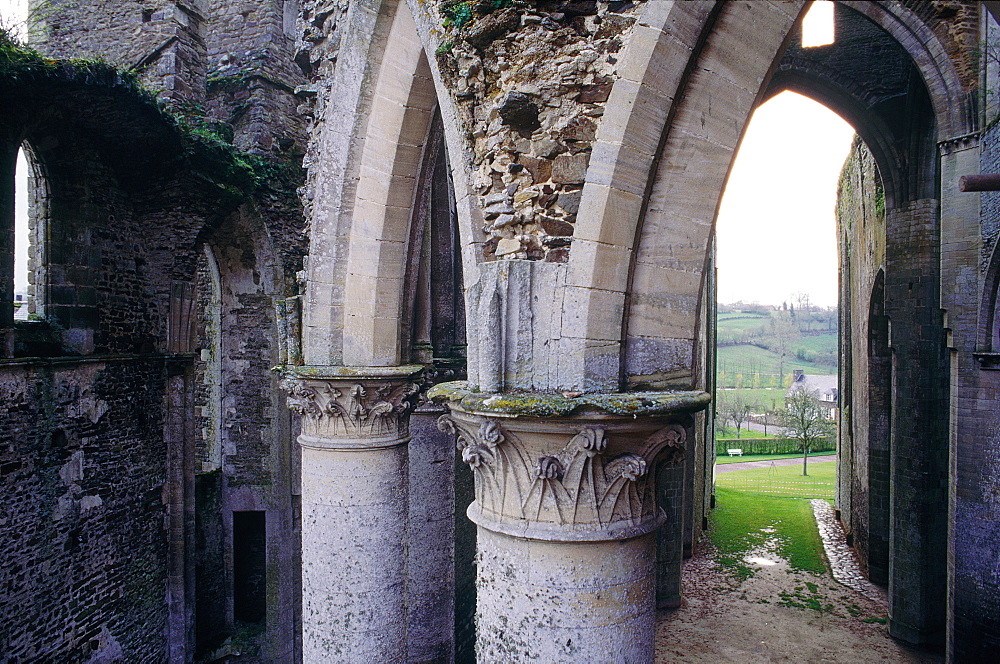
{"type": "Point", "coordinates": [985, 182]}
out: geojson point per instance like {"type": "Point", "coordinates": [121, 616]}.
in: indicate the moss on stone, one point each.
{"type": "Point", "coordinates": [206, 145]}
{"type": "Point", "coordinates": [557, 405]}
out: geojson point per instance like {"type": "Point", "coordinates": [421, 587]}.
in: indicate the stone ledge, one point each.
{"type": "Point", "coordinates": [556, 405]}
{"type": "Point", "coordinates": [324, 372]}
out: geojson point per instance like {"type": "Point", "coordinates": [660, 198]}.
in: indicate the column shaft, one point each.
{"type": "Point", "coordinates": [355, 430]}
{"type": "Point", "coordinates": [545, 601]}
{"type": "Point", "coordinates": [354, 514]}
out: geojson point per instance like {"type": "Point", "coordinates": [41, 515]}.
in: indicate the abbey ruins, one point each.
{"type": "Point", "coordinates": [270, 239]}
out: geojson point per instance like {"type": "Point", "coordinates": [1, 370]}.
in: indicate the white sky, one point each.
{"type": "Point", "coordinates": [13, 12]}
{"type": "Point", "coordinates": [776, 225]}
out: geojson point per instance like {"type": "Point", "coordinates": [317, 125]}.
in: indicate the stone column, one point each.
{"type": "Point", "coordinates": [355, 430]}
{"type": "Point", "coordinates": [566, 512]}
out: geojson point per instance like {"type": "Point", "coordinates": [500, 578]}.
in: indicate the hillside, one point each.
{"type": "Point", "coordinates": [748, 344]}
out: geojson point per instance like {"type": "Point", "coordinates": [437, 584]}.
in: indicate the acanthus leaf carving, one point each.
{"type": "Point", "coordinates": [580, 485]}
{"type": "Point", "coordinates": [350, 410]}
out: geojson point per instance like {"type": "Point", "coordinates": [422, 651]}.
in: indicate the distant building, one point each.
{"type": "Point", "coordinates": [826, 389]}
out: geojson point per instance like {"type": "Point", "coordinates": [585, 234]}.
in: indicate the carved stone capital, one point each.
{"type": "Point", "coordinates": [351, 408]}
{"type": "Point", "coordinates": [587, 476]}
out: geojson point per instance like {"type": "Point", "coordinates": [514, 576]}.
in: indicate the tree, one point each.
{"type": "Point", "coordinates": [784, 332]}
{"type": "Point", "coordinates": [736, 408]}
{"type": "Point", "coordinates": [805, 420]}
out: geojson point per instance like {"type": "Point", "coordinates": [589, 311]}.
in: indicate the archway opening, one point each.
{"type": "Point", "coordinates": [777, 277]}
{"type": "Point", "coordinates": [893, 401]}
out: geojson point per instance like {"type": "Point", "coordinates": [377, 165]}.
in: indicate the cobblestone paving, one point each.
{"type": "Point", "coordinates": [843, 560]}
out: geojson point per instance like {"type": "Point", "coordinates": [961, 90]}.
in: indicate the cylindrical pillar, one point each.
{"type": "Point", "coordinates": [431, 565]}
{"type": "Point", "coordinates": [566, 509]}
{"type": "Point", "coordinates": [355, 430]}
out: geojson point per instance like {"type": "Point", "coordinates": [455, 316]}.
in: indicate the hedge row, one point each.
{"type": "Point", "coordinates": [770, 445]}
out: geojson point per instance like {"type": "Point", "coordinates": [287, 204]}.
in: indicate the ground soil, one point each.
{"type": "Point", "coordinates": [723, 621]}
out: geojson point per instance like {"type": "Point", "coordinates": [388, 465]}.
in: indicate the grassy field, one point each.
{"type": "Point", "coordinates": [820, 343]}
{"type": "Point", "coordinates": [768, 398]}
{"type": "Point", "coordinates": [765, 457]}
{"type": "Point", "coordinates": [744, 358]}
{"type": "Point", "coordinates": [745, 522]}
{"type": "Point", "coordinates": [741, 322]}
{"type": "Point", "coordinates": [785, 481]}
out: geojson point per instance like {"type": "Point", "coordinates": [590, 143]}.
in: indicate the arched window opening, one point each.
{"type": "Point", "coordinates": [778, 333]}
{"type": "Point", "coordinates": [31, 197]}
{"type": "Point", "coordinates": [777, 257]}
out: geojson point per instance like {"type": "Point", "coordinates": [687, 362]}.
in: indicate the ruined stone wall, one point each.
{"type": "Point", "coordinates": [861, 235]}
{"type": "Point", "coordinates": [252, 79]}
{"type": "Point", "coordinates": [975, 458]}
{"type": "Point", "coordinates": [162, 42]}
{"type": "Point", "coordinates": [531, 82]}
{"type": "Point", "coordinates": [82, 463]}
{"type": "Point", "coordinates": [130, 203]}
{"type": "Point", "coordinates": [99, 289]}
{"type": "Point", "coordinates": [956, 24]}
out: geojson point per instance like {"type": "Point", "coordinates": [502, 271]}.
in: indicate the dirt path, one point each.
{"type": "Point", "coordinates": [747, 465]}
{"type": "Point", "coordinates": [768, 619]}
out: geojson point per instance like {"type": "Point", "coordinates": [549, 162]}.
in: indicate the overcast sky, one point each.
{"type": "Point", "coordinates": [13, 11]}
{"type": "Point", "coordinates": [776, 226]}
{"type": "Point", "coordinates": [776, 230]}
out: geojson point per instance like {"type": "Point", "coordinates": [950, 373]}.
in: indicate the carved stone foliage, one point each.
{"type": "Point", "coordinates": [586, 488]}
{"type": "Point", "coordinates": [345, 409]}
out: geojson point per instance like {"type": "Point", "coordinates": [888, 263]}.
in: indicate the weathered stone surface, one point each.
{"type": "Point", "coordinates": [570, 168]}
{"type": "Point", "coordinates": [519, 111]}
{"type": "Point", "coordinates": [483, 31]}
{"type": "Point", "coordinates": [554, 226]}
{"type": "Point", "coordinates": [540, 169]}
{"type": "Point", "coordinates": [569, 201]}
{"type": "Point", "coordinates": [594, 93]}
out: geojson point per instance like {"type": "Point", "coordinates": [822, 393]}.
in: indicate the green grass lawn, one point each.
{"type": "Point", "coordinates": [784, 481]}
{"type": "Point", "coordinates": [743, 522]}
{"type": "Point", "coordinates": [723, 459]}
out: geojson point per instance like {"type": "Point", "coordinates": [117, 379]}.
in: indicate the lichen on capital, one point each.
{"type": "Point", "coordinates": [459, 394]}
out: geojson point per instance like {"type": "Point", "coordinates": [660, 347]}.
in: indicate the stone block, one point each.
{"type": "Point", "coordinates": [570, 168]}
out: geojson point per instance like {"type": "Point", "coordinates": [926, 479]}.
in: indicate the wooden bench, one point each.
{"type": "Point", "coordinates": [735, 452]}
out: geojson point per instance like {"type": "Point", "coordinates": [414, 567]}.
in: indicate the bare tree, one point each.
{"type": "Point", "coordinates": [805, 420]}
{"type": "Point", "coordinates": [736, 408]}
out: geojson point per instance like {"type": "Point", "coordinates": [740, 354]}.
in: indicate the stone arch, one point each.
{"type": "Point", "coordinates": [671, 251]}
{"type": "Point", "coordinates": [952, 111]}
{"type": "Point", "coordinates": [661, 160]}
{"type": "Point", "coordinates": [627, 147]}
{"type": "Point", "coordinates": [364, 203]}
